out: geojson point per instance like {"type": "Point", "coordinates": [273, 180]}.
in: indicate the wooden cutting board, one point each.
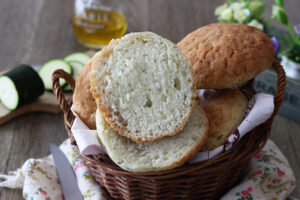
{"type": "Point", "coordinates": [45, 103]}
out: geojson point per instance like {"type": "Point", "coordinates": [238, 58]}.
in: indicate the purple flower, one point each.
{"type": "Point", "coordinates": [275, 43]}
{"type": "Point", "coordinates": [297, 29]}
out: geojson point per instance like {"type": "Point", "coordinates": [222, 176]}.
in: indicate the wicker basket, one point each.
{"type": "Point", "coordinates": [203, 180]}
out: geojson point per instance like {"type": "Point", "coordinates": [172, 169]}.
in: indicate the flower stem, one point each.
{"type": "Point", "coordinates": [269, 21]}
{"type": "Point", "coordinates": [292, 32]}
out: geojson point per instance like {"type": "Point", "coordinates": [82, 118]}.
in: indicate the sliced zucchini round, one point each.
{"type": "Point", "coordinates": [76, 67]}
{"type": "Point", "coordinates": [78, 56]}
{"type": "Point", "coordinates": [9, 94]}
{"type": "Point", "coordinates": [49, 67]}
{"type": "Point", "coordinates": [20, 86]}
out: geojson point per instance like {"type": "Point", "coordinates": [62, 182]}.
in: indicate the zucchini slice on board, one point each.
{"type": "Point", "coordinates": [78, 56]}
{"type": "Point", "coordinates": [76, 67]}
{"type": "Point", "coordinates": [19, 86]}
{"type": "Point", "coordinates": [49, 67]}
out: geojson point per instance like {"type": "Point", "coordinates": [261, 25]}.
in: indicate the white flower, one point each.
{"type": "Point", "coordinates": [237, 6]}
{"type": "Point", "coordinates": [226, 15]}
{"type": "Point", "coordinates": [254, 5]}
{"type": "Point", "coordinates": [220, 9]}
{"type": "Point", "coordinates": [256, 24]}
{"type": "Point", "coordinates": [275, 10]}
{"type": "Point", "coordinates": [241, 15]}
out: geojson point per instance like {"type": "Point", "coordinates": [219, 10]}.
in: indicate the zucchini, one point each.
{"type": "Point", "coordinates": [76, 67]}
{"type": "Point", "coordinates": [20, 86]}
{"type": "Point", "coordinates": [49, 67]}
{"type": "Point", "coordinates": [78, 56]}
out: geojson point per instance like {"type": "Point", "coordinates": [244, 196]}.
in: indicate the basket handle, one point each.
{"type": "Point", "coordinates": [278, 99]}
{"type": "Point", "coordinates": [65, 105]}
{"type": "Point", "coordinates": [281, 84]}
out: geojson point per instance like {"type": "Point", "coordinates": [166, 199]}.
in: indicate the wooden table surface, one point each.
{"type": "Point", "coordinates": [34, 31]}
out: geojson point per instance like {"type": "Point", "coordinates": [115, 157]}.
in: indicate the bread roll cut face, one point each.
{"type": "Point", "coordinates": [164, 154]}
{"type": "Point", "coordinates": [144, 85]}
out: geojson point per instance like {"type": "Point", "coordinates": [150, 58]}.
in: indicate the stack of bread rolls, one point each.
{"type": "Point", "coordinates": [140, 93]}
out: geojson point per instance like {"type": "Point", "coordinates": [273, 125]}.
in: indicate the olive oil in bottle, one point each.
{"type": "Point", "coordinates": [95, 27]}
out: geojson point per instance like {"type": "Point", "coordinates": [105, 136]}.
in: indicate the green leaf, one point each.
{"type": "Point", "coordinates": [230, 1]}
{"type": "Point", "coordinates": [247, 4]}
{"type": "Point", "coordinates": [282, 17]}
{"type": "Point", "coordinates": [279, 3]}
{"type": "Point", "coordinates": [260, 9]}
{"type": "Point", "coordinates": [248, 19]}
{"type": "Point", "coordinates": [287, 40]}
{"type": "Point", "coordinates": [292, 52]}
{"type": "Point", "coordinates": [234, 20]}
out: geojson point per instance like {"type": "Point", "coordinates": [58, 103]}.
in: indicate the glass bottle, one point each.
{"type": "Point", "coordinates": [96, 22]}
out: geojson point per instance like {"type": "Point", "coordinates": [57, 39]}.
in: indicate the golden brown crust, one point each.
{"type": "Point", "coordinates": [201, 142]}
{"type": "Point", "coordinates": [84, 104]}
{"type": "Point", "coordinates": [227, 54]}
{"type": "Point", "coordinates": [107, 112]}
{"type": "Point", "coordinates": [100, 58]}
{"type": "Point", "coordinates": [225, 110]}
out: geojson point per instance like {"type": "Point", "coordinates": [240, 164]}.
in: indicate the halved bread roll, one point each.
{"type": "Point", "coordinates": [164, 154]}
{"type": "Point", "coordinates": [144, 86]}
{"type": "Point", "coordinates": [225, 110]}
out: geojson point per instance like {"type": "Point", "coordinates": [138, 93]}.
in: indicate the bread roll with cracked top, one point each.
{"type": "Point", "coordinates": [224, 55]}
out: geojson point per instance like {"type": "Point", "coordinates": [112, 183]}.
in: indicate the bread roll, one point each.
{"type": "Point", "coordinates": [224, 55]}
{"type": "Point", "coordinates": [144, 86]}
{"type": "Point", "coordinates": [84, 104]}
{"type": "Point", "coordinates": [164, 154]}
{"type": "Point", "coordinates": [225, 110]}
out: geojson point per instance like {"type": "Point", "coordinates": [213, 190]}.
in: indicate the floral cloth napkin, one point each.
{"type": "Point", "coordinates": [39, 179]}
{"type": "Point", "coordinates": [269, 176]}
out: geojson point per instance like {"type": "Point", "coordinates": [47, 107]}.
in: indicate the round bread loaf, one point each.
{"type": "Point", "coordinates": [84, 104]}
{"type": "Point", "coordinates": [144, 85]}
{"type": "Point", "coordinates": [225, 109]}
{"type": "Point", "coordinates": [164, 154]}
{"type": "Point", "coordinates": [224, 55]}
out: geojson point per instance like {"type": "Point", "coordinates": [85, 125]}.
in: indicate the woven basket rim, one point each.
{"type": "Point", "coordinates": [109, 167]}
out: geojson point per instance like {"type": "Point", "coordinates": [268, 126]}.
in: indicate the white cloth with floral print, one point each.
{"type": "Point", "coordinates": [269, 177]}
{"type": "Point", "coordinates": [39, 180]}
